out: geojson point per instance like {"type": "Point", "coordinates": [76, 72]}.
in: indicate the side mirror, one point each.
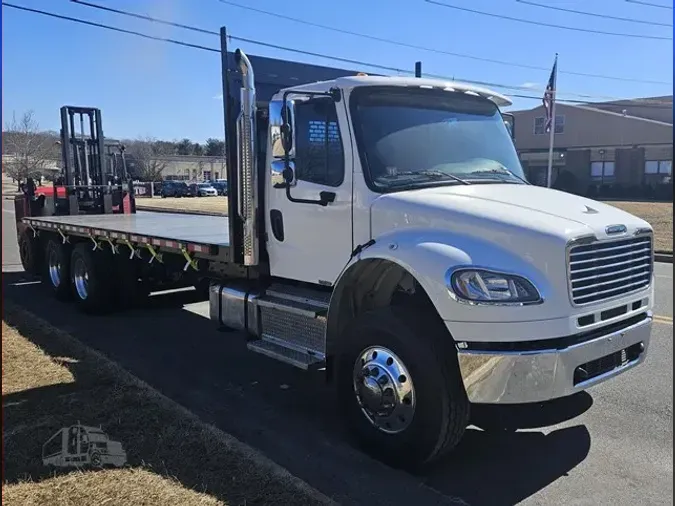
{"type": "Point", "coordinates": [283, 176]}
{"type": "Point", "coordinates": [282, 121]}
{"type": "Point", "coordinates": [510, 122]}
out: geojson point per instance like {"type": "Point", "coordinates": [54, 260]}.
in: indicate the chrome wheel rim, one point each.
{"type": "Point", "coordinates": [54, 268]}
{"type": "Point", "coordinates": [384, 389]}
{"type": "Point", "coordinates": [81, 278]}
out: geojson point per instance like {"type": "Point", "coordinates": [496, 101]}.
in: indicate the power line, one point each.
{"type": "Point", "coordinates": [649, 4]}
{"type": "Point", "coordinates": [550, 25]}
{"type": "Point", "coordinates": [430, 49]}
{"type": "Point", "coordinates": [112, 28]}
{"type": "Point", "coordinates": [320, 55]}
{"type": "Point", "coordinates": [310, 53]}
{"type": "Point", "coordinates": [284, 48]}
{"type": "Point", "coordinates": [594, 14]}
{"type": "Point", "coordinates": [214, 50]}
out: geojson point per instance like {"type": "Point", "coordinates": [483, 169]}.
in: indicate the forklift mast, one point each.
{"type": "Point", "coordinates": [94, 179]}
{"type": "Point", "coordinates": [82, 146]}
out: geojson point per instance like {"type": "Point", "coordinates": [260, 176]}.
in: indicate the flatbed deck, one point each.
{"type": "Point", "coordinates": [183, 228]}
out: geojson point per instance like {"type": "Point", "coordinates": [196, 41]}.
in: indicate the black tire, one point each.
{"type": "Point", "coordinates": [96, 295]}
{"type": "Point", "coordinates": [30, 252]}
{"type": "Point", "coordinates": [441, 412]}
{"type": "Point", "coordinates": [56, 268]}
{"type": "Point", "coordinates": [96, 460]}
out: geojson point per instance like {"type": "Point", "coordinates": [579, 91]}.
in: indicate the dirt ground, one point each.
{"type": "Point", "coordinates": [658, 214]}
{"type": "Point", "coordinates": [50, 381]}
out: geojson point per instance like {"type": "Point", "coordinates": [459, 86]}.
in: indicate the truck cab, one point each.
{"type": "Point", "coordinates": [407, 252]}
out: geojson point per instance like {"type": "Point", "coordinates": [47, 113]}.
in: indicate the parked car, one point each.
{"type": "Point", "coordinates": [203, 190]}
{"type": "Point", "coordinates": [175, 189]}
{"type": "Point", "coordinates": [220, 186]}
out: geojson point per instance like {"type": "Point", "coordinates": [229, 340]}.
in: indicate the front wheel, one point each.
{"type": "Point", "coordinates": [399, 386]}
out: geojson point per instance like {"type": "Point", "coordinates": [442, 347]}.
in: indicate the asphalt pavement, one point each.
{"type": "Point", "coordinates": [612, 445]}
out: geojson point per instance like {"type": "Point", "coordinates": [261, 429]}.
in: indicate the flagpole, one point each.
{"type": "Point", "coordinates": [552, 131]}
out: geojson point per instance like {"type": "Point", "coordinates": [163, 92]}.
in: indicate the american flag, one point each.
{"type": "Point", "coordinates": [549, 97]}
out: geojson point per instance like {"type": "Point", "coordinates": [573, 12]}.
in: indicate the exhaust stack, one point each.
{"type": "Point", "coordinates": [247, 168]}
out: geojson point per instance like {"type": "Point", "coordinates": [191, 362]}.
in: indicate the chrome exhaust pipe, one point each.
{"type": "Point", "coordinates": [247, 184]}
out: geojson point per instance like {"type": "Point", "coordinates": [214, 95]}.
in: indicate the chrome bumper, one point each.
{"type": "Point", "coordinates": [516, 377]}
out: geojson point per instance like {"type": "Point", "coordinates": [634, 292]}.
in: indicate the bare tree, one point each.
{"type": "Point", "coordinates": [147, 159]}
{"type": "Point", "coordinates": [30, 150]}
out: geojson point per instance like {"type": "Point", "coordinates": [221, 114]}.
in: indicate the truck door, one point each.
{"type": "Point", "coordinates": [307, 241]}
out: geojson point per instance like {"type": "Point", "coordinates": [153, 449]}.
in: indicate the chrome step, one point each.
{"type": "Point", "coordinates": [300, 308]}
{"type": "Point", "coordinates": [304, 295]}
{"type": "Point", "coordinates": [303, 360]}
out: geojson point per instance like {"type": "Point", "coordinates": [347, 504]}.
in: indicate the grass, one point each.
{"type": "Point", "coordinates": [51, 380]}
{"type": "Point", "coordinates": [200, 205]}
{"type": "Point", "coordinates": [658, 214]}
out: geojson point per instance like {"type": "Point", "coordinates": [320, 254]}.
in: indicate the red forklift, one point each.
{"type": "Point", "coordinates": [93, 179]}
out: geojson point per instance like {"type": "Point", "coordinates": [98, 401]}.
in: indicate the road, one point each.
{"type": "Point", "coordinates": [612, 445]}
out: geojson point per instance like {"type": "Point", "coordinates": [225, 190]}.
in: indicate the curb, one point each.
{"type": "Point", "coordinates": [230, 441]}
{"type": "Point", "coordinates": [663, 257]}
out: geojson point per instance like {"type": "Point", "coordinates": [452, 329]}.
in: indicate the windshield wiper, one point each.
{"type": "Point", "coordinates": [429, 173]}
{"type": "Point", "coordinates": [503, 171]}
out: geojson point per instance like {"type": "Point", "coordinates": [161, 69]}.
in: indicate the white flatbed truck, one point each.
{"type": "Point", "coordinates": [381, 228]}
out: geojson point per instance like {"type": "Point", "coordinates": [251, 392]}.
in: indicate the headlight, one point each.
{"type": "Point", "coordinates": [481, 286]}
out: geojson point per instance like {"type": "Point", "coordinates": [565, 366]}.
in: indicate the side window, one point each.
{"type": "Point", "coordinates": [319, 157]}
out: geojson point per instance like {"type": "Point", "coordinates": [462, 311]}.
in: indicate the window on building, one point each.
{"type": "Point", "coordinates": [602, 170]}
{"type": "Point", "coordinates": [319, 157]}
{"type": "Point", "coordinates": [207, 175]}
{"type": "Point", "coordinates": [540, 125]}
{"type": "Point", "coordinates": [662, 167]}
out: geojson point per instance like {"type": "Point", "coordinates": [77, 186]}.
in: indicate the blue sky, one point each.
{"type": "Point", "coordinates": [155, 89]}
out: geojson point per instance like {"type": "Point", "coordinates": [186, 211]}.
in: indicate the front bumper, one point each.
{"type": "Point", "coordinates": [525, 375]}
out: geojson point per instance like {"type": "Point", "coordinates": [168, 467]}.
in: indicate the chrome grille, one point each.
{"type": "Point", "coordinates": [608, 269]}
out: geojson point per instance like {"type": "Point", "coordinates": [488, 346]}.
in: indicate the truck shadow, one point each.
{"type": "Point", "coordinates": [292, 418]}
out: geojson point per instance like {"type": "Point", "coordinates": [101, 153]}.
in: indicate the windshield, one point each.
{"type": "Point", "coordinates": [204, 185]}
{"type": "Point", "coordinates": [412, 138]}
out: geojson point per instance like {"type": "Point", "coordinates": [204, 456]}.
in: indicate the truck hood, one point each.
{"type": "Point", "coordinates": [503, 212]}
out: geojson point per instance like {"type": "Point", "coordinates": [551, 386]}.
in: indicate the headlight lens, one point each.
{"type": "Point", "coordinates": [487, 287]}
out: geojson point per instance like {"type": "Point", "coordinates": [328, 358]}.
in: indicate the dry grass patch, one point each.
{"type": "Point", "coordinates": [659, 215]}
{"type": "Point", "coordinates": [172, 456]}
{"type": "Point", "coordinates": [25, 366]}
{"type": "Point", "coordinates": [120, 486]}
{"type": "Point", "coordinates": [198, 205]}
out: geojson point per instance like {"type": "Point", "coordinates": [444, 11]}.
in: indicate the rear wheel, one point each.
{"type": "Point", "coordinates": [30, 252]}
{"type": "Point", "coordinates": [399, 386]}
{"type": "Point", "coordinates": [91, 279]}
{"type": "Point", "coordinates": [57, 268]}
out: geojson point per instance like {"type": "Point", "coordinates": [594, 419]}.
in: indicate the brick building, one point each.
{"type": "Point", "coordinates": [615, 149]}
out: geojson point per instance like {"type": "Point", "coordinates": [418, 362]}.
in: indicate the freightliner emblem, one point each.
{"type": "Point", "coordinates": [616, 229]}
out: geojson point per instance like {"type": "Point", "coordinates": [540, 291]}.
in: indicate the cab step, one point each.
{"type": "Point", "coordinates": [302, 360]}
{"type": "Point", "coordinates": [292, 325]}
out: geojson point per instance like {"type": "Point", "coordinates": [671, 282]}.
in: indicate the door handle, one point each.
{"type": "Point", "coordinates": [327, 198]}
